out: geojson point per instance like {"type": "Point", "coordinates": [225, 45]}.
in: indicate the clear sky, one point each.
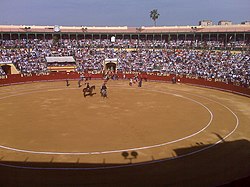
{"type": "Point", "coordinates": [121, 12]}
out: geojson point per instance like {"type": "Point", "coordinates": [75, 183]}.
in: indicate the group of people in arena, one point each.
{"type": "Point", "coordinates": [85, 81]}
{"type": "Point", "coordinates": [103, 89]}
{"type": "Point", "coordinates": [152, 56]}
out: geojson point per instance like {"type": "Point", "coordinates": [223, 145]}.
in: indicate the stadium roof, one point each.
{"type": "Point", "coordinates": [124, 29]}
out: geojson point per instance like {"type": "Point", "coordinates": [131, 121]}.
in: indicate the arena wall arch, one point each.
{"type": "Point", "coordinates": [8, 68]}
{"type": "Point", "coordinates": [110, 65]}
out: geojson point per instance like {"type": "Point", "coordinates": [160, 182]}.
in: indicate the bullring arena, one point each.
{"type": "Point", "coordinates": [48, 127]}
{"type": "Point", "coordinates": [194, 131]}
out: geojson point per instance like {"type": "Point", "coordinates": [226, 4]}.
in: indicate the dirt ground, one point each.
{"type": "Point", "coordinates": [160, 134]}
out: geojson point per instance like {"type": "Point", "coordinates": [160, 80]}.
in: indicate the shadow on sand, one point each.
{"type": "Point", "coordinates": [220, 165]}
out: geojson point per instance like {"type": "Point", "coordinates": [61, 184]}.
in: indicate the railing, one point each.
{"type": "Point", "coordinates": [191, 80]}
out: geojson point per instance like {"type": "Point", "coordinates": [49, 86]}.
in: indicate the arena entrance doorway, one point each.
{"type": "Point", "coordinates": [9, 68]}
{"type": "Point", "coordinates": [6, 69]}
{"type": "Point", "coordinates": [110, 65]}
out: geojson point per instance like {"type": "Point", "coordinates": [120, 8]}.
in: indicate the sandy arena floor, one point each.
{"type": "Point", "coordinates": [180, 134]}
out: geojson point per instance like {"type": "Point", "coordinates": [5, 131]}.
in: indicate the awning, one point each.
{"type": "Point", "coordinates": [63, 59]}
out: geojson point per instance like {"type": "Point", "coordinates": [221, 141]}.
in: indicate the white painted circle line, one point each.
{"type": "Point", "coordinates": [110, 151]}
{"type": "Point", "coordinates": [136, 164]}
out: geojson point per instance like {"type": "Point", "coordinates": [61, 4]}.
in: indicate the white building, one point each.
{"type": "Point", "coordinates": [245, 23]}
{"type": "Point", "coordinates": [225, 22]}
{"type": "Point", "coordinates": [205, 23]}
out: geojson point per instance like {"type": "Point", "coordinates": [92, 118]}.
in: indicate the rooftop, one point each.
{"type": "Point", "coordinates": [123, 29]}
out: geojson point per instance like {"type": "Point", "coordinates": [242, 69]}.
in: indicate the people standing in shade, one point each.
{"type": "Point", "coordinates": [130, 82]}
{"type": "Point", "coordinates": [103, 90]}
{"type": "Point", "coordinates": [173, 80]}
{"type": "Point", "coordinates": [67, 82]}
{"type": "Point", "coordinates": [140, 83]}
{"type": "Point", "coordinates": [82, 77]}
{"type": "Point", "coordinates": [79, 83]}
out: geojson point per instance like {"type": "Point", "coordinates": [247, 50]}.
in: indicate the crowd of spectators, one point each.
{"type": "Point", "coordinates": [124, 43]}
{"type": "Point", "coordinates": [193, 58]}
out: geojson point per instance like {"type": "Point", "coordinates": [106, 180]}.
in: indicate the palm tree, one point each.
{"type": "Point", "coordinates": [154, 15]}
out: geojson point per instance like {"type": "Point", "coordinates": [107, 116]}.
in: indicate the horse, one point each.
{"type": "Point", "coordinates": [89, 91]}
{"type": "Point", "coordinates": [104, 93]}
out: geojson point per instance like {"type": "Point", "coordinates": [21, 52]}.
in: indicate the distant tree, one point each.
{"type": "Point", "coordinates": [154, 15]}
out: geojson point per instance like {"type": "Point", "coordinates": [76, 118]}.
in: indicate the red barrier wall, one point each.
{"type": "Point", "coordinates": [210, 83]}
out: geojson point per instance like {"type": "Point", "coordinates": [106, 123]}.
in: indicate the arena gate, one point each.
{"type": "Point", "coordinates": [9, 68]}
{"type": "Point", "coordinates": [110, 65]}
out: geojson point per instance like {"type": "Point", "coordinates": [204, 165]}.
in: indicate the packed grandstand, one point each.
{"type": "Point", "coordinates": [180, 57]}
{"type": "Point", "coordinates": [210, 61]}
